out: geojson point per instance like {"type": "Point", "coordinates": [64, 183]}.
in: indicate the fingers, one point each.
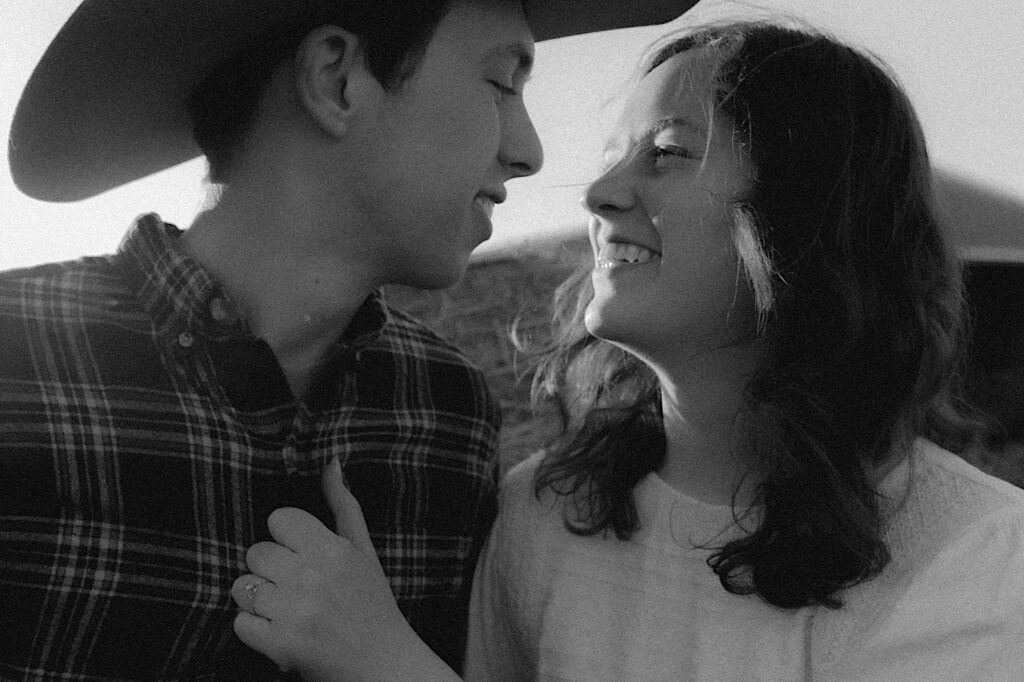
{"type": "Point", "coordinates": [303, 533]}
{"type": "Point", "coordinates": [259, 634]}
{"type": "Point", "coordinates": [255, 595]}
{"type": "Point", "coordinates": [348, 515]}
{"type": "Point", "coordinates": [272, 561]}
{"type": "Point", "coordinates": [299, 531]}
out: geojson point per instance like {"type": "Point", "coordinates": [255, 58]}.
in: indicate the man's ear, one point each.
{"type": "Point", "coordinates": [329, 67]}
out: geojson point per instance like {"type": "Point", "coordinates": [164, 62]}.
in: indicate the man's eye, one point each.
{"type": "Point", "coordinates": [504, 90]}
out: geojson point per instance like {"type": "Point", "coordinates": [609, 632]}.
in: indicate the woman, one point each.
{"type": "Point", "coordinates": [758, 381]}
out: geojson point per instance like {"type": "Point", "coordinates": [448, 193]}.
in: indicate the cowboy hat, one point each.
{"type": "Point", "coordinates": [105, 104]}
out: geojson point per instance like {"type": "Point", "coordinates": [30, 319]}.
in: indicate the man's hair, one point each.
{"type": "Point", "coordinates": [394, 35]}
{"type": "Point", "coordinates": [863, 322]}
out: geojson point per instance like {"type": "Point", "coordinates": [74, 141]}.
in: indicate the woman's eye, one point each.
{"type": "Point", "coordinates": [670, 151]}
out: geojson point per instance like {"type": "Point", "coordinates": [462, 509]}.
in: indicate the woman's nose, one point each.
{"type": "Point", "coordinates": [609, 193]}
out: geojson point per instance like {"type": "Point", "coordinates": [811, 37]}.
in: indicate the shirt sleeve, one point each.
{"type": "Point", "coordinates": [490, 652]}
{"type": "Point", "coordinates": [498, 647]}
{"type": "Point", "coordinates": [960, 617]}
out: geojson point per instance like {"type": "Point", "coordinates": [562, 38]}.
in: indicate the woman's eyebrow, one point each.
{"type": "Point", "coordinates": [614, 144]}
{"type": "Point", "coordinates": [666, 123]}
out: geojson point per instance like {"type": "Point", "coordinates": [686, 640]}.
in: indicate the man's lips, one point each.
{"type": "Point", "coordinates": [486, 203]}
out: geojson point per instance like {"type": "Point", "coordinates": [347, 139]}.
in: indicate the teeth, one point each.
{"type": "Point", "coordinates": [486, 203]}
{"type": "Point", "coordinates": [613, 254]}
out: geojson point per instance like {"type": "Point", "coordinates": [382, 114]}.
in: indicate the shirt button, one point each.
{"type": "Point", "coordinates": [222, 310]}
{"type": "Point", "coordinates": [185, 339]}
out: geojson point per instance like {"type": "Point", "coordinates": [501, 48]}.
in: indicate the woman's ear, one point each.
{"type": "Point", "coordinates": [328, 63]}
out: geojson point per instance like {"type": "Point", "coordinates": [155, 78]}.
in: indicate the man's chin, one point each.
{"type": "Point", "coordinates": [440, 274]}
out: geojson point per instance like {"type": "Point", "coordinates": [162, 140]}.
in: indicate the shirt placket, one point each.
{"type": "Point", "coordinates": [297, 443]}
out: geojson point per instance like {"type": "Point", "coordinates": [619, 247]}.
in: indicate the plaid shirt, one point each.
{"type": "Point", "coordinates": [146, 434]}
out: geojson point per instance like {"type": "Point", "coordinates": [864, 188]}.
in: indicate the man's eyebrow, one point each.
{"type": "Point", "coordinates": [518, 51]}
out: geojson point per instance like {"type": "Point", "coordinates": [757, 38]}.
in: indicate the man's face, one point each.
{"type": "Point", "coordinates": [449, 139]}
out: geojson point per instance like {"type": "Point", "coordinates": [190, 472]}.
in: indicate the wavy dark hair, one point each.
{"type": "Point", "coordinates": [864, 327]}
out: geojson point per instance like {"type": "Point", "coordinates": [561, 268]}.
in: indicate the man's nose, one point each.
{"type": "Point", "coordinates": [521, 149]}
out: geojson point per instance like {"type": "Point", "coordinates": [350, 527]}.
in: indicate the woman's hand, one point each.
{"type": "Point", "coordinates": [317, 603]}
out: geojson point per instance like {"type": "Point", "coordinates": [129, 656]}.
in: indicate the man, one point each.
{"type": "Point", "coordinates": [157, 404]}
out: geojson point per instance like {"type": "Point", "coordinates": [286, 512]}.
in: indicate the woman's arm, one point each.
{"type": "Point", "coordinates": [318, 603]}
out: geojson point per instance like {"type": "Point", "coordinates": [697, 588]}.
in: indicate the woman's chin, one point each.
{"type": "Point", "coordinates": [603, 323]}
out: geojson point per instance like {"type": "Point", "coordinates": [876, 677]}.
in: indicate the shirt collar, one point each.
{"type": "Point", "coordinates": [182, 297]}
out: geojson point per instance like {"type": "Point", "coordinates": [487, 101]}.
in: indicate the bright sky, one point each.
{"type": "Point", "coordinates": [961, 62]}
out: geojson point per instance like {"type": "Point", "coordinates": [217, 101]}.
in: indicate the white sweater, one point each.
{"type": "Point", "coordinates": [550, 605]}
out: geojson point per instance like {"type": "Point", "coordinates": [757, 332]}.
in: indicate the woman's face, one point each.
{"type": "Point", "coordinates": [666, 276]}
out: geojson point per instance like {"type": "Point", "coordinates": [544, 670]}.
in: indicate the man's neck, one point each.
{"type": "Point", "coordinates": [295, 299]}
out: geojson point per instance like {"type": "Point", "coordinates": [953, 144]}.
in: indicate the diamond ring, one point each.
{"type": "Point", "coordinates": [251, 589]}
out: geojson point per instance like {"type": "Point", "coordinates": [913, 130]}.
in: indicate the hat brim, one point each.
{"type": "Point", "coordinates": [105, 104]}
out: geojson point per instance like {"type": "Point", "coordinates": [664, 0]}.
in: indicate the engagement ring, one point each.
{"type": "Point", "coordinates": [251, 589]}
